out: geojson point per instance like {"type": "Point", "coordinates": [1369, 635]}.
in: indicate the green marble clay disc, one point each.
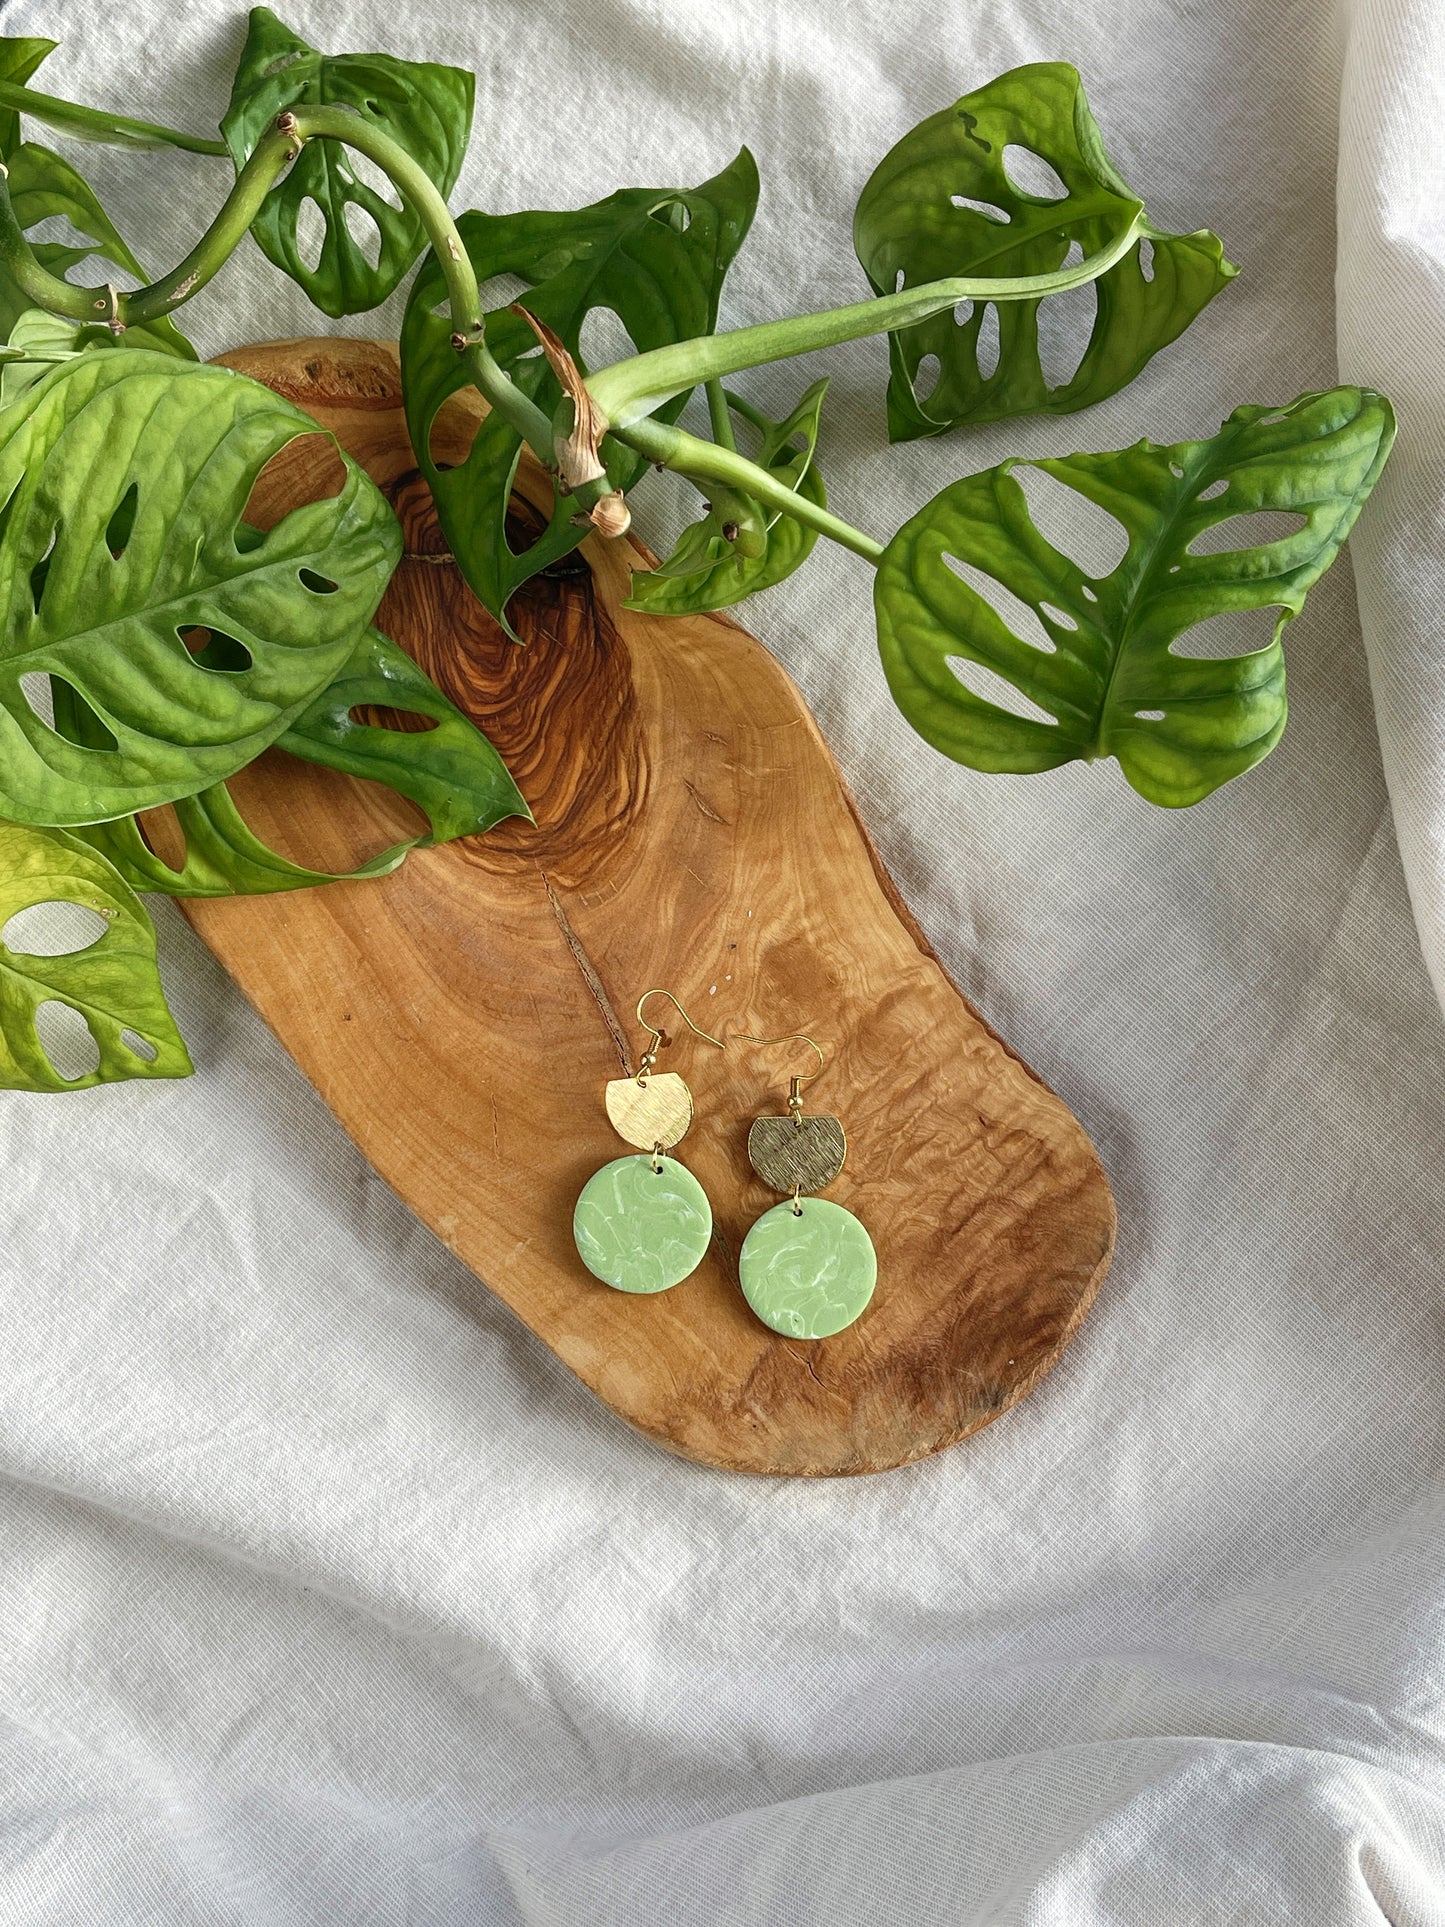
{"type": "Point", "coordinates": [638, 1229]}
{"type": "Point", "coordinates": [808, 1276]}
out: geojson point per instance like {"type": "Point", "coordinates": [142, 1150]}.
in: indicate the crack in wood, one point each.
{"type": "Point", "coordinates": [702, 803]}
{"type": "Point", "coordinates": [589, 975]}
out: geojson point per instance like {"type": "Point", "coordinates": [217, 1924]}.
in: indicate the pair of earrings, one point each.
{"type": "Point", "coordinates": [643, 1224]}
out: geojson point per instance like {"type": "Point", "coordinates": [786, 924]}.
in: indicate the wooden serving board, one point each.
{"type": "Point", "coordinates": [692, 830]}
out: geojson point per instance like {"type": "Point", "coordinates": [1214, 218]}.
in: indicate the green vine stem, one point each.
{"type": "Point", "coordinates": [89, 123]}
{"type": "Point", "coordinates": [269, 158]}
{"type": "Point", "coordinates": [708, 462]}
{"type": "Point", "coordinates": [625, 395]}
{"type": "Point", "coordinates": [630, 390]}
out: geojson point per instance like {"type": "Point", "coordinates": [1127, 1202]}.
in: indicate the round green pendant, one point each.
{"type": "Point", "coordinates": [808, 1275]}
{"type": "Point", "coordinates": [638, 1229]}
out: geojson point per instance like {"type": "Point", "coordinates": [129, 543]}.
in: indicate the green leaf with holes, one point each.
{"type": "Point", "coordinates": [654, 256]}
{"type": "Point", "coordinates": [113, 984]}
{"type": "Point", "coordinates": [426, 109]}
{"type": "Point", "coordinates": [449, 770]}
{"type": "Point", "coordinates": [1112, 675]}
{"type": "Point", "coordinates": [127, 571]}
{"type": "Point", "coordinates": [43, 185]}
{"type": "Point", "coordinates": [705, 570]}
{"type": "Point", "coordinates": [954, 198]}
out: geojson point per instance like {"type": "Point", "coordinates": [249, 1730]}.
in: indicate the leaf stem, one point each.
{"type": "Point", "coordinates": [704, 461]}
{"type": "Point", "coordinates": [718, 415]}
{"type": "Point", "coordinates": [259, 175]}
{"type": "Point", "coordinates": [630, 389]}
{"type": "Point", "coordinates": [89, 123]}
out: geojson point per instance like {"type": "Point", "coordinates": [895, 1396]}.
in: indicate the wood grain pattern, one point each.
{"type": "Point", "coordinates": [462, 1017]}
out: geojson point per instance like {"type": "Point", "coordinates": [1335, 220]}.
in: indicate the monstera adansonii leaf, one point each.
{"type": "Point", "coordinates": [655, 256]}
{"type": "Point", "coordinates": [705, 570]}
{"type": "Point", "coordinates": [128, 572]}
{"type": "Point", "coordinates": [449, 770]}
{"type": "Point", "coordinates": [112, 982]}
{"type": "Point", "coordinates": [1112, 664]}
{"type": "Point", "coordinates": [426, 109]}
{"type": "Point", "coordinates": [1013, 180]}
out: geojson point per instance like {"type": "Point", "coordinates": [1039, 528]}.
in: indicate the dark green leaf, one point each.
{"type": "Point", "coordinates": [1109, 668]}
{"type": "Point", "coordinates": [451, 772]}
{"type": "Point", "coordinates": [41, 184]}
{"type": "Point", "coordinates": [659, 270]}
{"type": "Point", "coordinates": [113, 983]}
{"type": "Point", "coordinates": [925, 215]}
{"type": "Point", "coordinates": [426, 109]}
{"type": "Point", "coordinates": [123, 481]}
{"type": "Point", "coordinates": [705, 571]}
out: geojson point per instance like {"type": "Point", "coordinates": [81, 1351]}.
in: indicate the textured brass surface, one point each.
{"type": "Point", "coordinates": [657, 1112]}
{"type": "Point", "coordinates": [787, 1152]}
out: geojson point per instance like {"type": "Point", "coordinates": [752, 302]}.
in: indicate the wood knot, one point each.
{"type": "Point", "coordinates": [560, 707]}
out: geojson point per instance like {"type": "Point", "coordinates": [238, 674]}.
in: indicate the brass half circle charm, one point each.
{"type": "Point", "coordinates": [650, 1110]}
{"type": "Point", "coordinates": [788, 1153]}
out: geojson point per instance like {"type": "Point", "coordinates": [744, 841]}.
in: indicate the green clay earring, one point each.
{"type": "Point", "coordinates": [642, 1224]}
{"type": "Point", "coordinates": [807, 1269]}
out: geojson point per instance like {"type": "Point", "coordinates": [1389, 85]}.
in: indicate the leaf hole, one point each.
{"type": "Point", "coordinates": [1078, 528]}
{"type": "Point", "coordinates": [987, 209]}
{"type": "Point", "coordinates": [603, 339]}
{"type": "Point", "coordinates": [1066, 324]}
{"type": "Point", "coordinates": [73, 718]}
{"type": "Point", "coordinates": [139, 1046]}
{"type": "Point", "coordinates": [57, 230]}
{"type": "Point", "coordinates": [1228, 634]}
{"type": "Point", "coordinates": [309, 468]}
{"type": "Point", "coordinates": [1088, 594]}
{"type": "Point", "coordinates": [1020, 617]}
{"type": "Point", "coordinates": [40, 574]}
{"type": "Point", "coordinates": [496, 294]}
{"type": "Point", "coordinates": [926, 376]}
{"type": "Point", "coordinates": [66, 1039]}
{"type": "Point", "coordinates": [1255, 529]}
{"type": "Point", "coordinates": [310, 234]}
{"type": "Point", "coordinates": [213, 649]}
{"type": "Point", "coordinates": [35, 688]}
{"type": "Point", "coordinates": [963, 313]}
{"type": "Point", "coordinates": [1176, 471]}
{"type": "Point", "coordinates": [1146, 258]}
{"type": "Point", "coordinates": [1073, 255]}
{"type": "Point", "coordinates": [57, 928]}
{"type": "Point", "coordinates": [362, 226]}
{"type": "Point", "coordinates": [406, 722]}
{"type": "Point", "coordinates": [1060, 616]}
{"type": "Point", "coordinates": [985, 348]}
{"type": "Point", "coordinates": [1150, 715]}
{"type": "Point", "coordinates": [898, 281]}
{"type": "Point", "coordinates": [998, 691]}
{"type": "Point", "coordinates": [1031, 174]}
{"type": "Point", "coordinates": [1214, 489]}
{"type": "Point", "coordinates": [161, 832]}
{"type": "Point", "coordinates": [119, 528]}
{"type": "Point", "coordinates": [676, 215]}
{"type": "Point", "coordinates": [367, 172]}
{"type": "Point", "coordinates": [317, 584]}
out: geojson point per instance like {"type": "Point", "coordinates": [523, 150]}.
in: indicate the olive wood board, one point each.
{"type": "Point", "coordinates": [463, 1016]}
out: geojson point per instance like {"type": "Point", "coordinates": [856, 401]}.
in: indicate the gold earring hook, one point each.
{"type": "Point", "coordinates": [649, 1056]}
{"type": "Point", "coordinates": [795, 1083]}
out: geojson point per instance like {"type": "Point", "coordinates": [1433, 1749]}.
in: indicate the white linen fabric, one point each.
{"type": "Point", "coordinates": [327, 1595]}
